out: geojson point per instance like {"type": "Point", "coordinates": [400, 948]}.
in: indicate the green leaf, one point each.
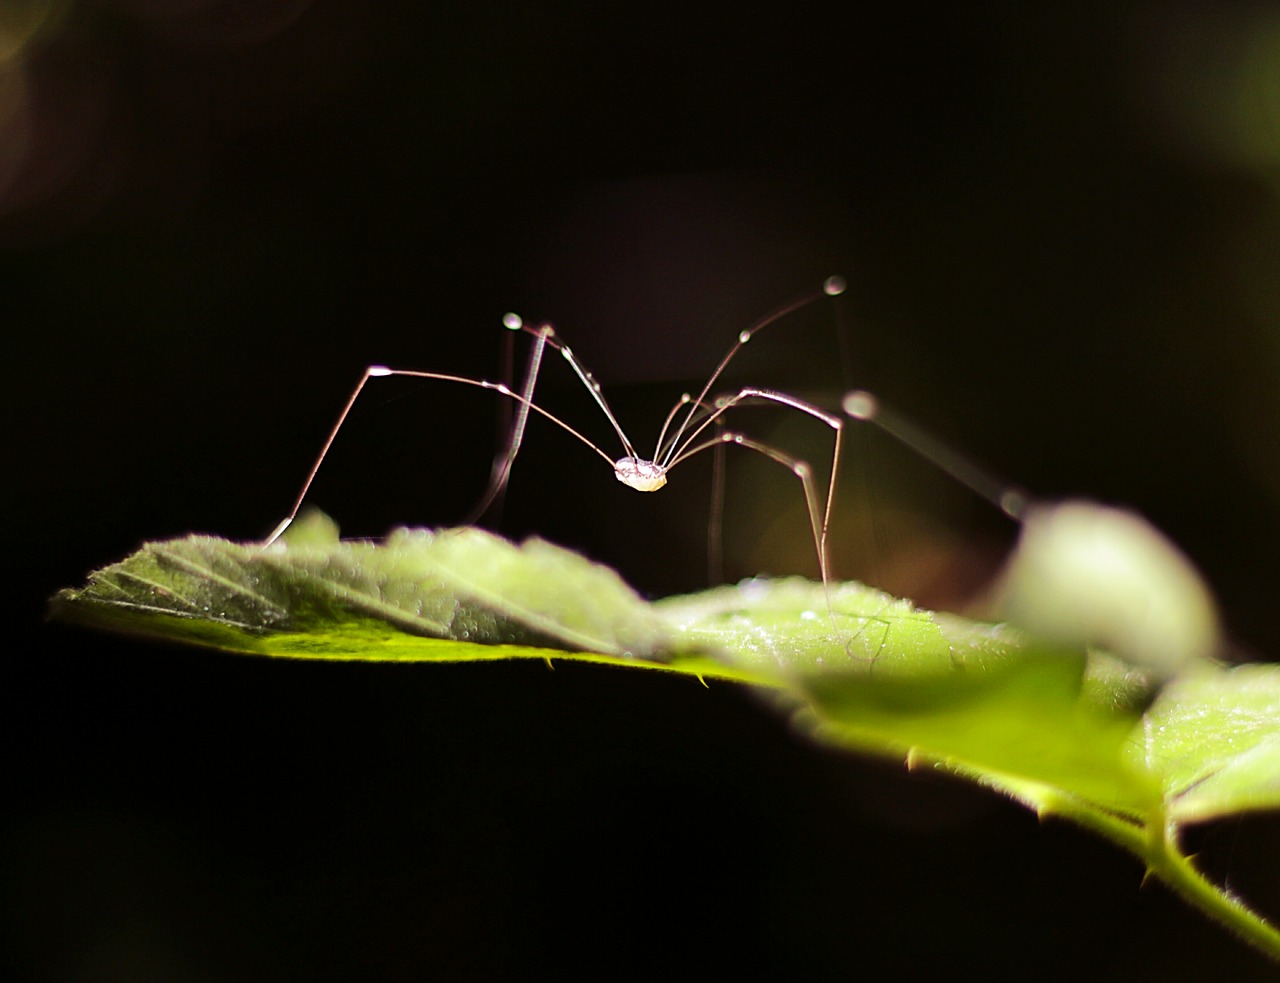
{"type": "Point", "coordinates": [1214, 740]}
{"type": "Point", "coordinates": [1064, 730]}
{"type": "Point", "coordinates": [313, 596]}
{"type": "Point", "coordinates": [884, 676]}
{"type": "Point", "coordinates": [869, 670]}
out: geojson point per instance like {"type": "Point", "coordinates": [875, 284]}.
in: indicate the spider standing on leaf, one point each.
{"type": "Point", "coordinates": [683, 434]}
{"type": "Point", "coordinates": [1082, 572]}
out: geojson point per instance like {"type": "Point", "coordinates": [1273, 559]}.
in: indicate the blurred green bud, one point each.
{"type": "Point", "coordinates": [1084, 573]}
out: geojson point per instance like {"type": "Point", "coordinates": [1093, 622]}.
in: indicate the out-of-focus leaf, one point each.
{"type": "Point", "coordinates": [1214, 740]}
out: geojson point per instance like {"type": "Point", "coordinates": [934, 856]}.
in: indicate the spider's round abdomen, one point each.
{"type": "Point", "coordinates": [641, 475]}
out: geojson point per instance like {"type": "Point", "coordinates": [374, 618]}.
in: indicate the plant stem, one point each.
{"type": "Point", "coordinates": [1176, 870]}
{"type": "Point", "coordinates": [1155, 843]}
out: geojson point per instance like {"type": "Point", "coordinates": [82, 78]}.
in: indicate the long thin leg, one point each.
{"type": "Point", "coordinates": [1008, 498]}
{"type": "Point", "coordinates": [378, 371]}
{"type": "Point", "coordinates": [724, 404]}
{"type": "Point", "coordinates": [715, 519]}
{"type": "Point", "coordinates": [504, 425]}
{"type": "Point", "coordinates": [501, 472]}
{"type": "Point", "coordinates": [715, 516]}
{"type": "Point", "coordinates": [582, 372]}
{"type": "Point", "coordinates": [833, 286]}
{"type": "Point", "coordinates": [801, 470]}
{"type": "Point", "coordinates": [369, 373]}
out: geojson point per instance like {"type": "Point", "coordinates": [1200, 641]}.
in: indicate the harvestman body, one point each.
{"type": "Point", "coordinates": [688, 438]}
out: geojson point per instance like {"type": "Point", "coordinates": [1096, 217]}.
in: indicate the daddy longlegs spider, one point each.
{"type": "Point", "coordinates": [674, 445]}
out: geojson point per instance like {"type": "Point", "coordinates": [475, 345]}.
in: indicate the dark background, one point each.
{"type": "Point", "coordinates": [1061, 234]}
